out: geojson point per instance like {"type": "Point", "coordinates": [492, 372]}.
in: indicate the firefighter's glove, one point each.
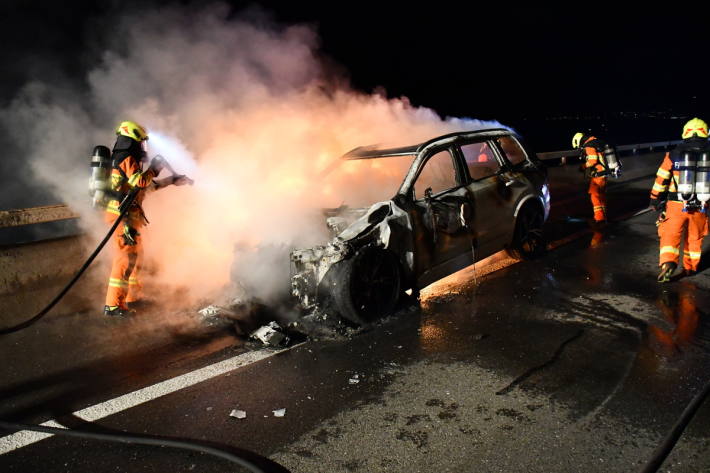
{"type": "Point", "coordinates": [129, 235]}
{"type": "Point", "coordinates": [657, 204]}
{"type": "Point", "coordinates": [661, 218]}
{"type": "Point", "coordinates": [157, 164]}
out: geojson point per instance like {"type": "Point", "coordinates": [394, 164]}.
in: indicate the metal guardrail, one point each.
{"type": "Point", "coordinates": [634, 147]}
{"type": "Point", "coordinates": [52, 213]}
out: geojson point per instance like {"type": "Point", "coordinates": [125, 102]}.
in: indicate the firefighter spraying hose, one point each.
{"type": "Point", "coordinates": [119, 193]}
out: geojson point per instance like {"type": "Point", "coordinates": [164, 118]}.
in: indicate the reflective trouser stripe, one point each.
{"type": "Point", "coordinates": [670, 250]}
{"type": "Point", "coordinates": [692, 254]}
{"type": "Point", "coordinates": [117, 282]}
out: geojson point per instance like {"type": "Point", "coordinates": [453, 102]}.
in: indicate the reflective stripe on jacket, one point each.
{"type": "Point", "coordinates": [593, 157]}
{"type": "Point", "coordinates": [666, 179]}
{"type": "Point", "coordinates": [134, 177]}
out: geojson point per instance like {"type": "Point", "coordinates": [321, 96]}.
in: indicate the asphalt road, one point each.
{"type": "Point", "coordinates": [579, 361]}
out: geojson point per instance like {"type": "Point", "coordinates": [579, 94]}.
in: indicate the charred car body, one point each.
{"type": "Point", "coordinates": [465, 196]}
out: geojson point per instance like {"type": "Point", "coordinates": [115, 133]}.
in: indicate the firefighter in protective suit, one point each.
{"type": "Point", "coordinates": [594, 168]}
{"type": "Point", "coordinates": [128, 156]}
{"type": "Point", "coordinates": [680, 195]}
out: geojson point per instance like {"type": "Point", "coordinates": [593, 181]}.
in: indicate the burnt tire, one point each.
{"type": "Point", "coordinates": [528, 240]}
{"type": "Point", "coordinates": [368, 285]}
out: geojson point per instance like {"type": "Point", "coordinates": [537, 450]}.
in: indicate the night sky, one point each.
{"type": "Point", "coordinates": [522, 66]}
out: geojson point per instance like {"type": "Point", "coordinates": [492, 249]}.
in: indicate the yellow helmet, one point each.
{"type": "Point", "coordinates": [132, 130]}
{"type": "Point", "coordinates": [576, 139]}
{"type": "Point", "coordinates": [695, 127]}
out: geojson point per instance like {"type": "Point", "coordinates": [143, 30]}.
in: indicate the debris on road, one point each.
{"type": "Point", "coordinates": [238, 414]}
{"type": "Point", "coordinates": [209, 311]}
{"type": "Point", "coordinates": [279, 412]}
{"type": "Point", "coordinates": [270, 334]}
{"type": "Point", "coordinates": [355, 379]}
{"type": "Point", "coordinates": [216, 316]}
{"type": "Point", "coordinates": [319, 326]}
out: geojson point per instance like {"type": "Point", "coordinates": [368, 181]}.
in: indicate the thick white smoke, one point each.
{"type": "Point", "coordinates": [245, 108]}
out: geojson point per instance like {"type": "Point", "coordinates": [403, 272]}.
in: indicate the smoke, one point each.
{"type": "Point", "coordinates": [246, 108]}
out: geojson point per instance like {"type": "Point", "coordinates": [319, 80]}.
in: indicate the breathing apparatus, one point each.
{"type": "Point", "coordinates": [692, 161]}
{"type": "Point", "coordinates": [693, 167]}
{"type": "Point", "coordinates": [610, 161]}
{"type": "Point", "coordinates": [100, 180]}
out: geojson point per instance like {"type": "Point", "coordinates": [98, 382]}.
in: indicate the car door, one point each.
{"type": "Point", "coordinates": [493, 188]}
{"type": "Point", "coordinates": [442, 209]}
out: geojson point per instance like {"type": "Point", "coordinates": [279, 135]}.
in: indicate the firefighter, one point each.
{"type": "Point", "coordinates": [594, 168]}
{"type": "Point", "coordinates": [128, 156]}
{"type": "Point", "coordinates": [680, 196]}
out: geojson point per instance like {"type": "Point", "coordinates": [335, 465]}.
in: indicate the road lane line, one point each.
{"type": "Point", "coordinates": [141, 396]}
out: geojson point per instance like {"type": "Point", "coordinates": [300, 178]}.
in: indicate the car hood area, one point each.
{"type": "Point", "coordinates": [384, 224]}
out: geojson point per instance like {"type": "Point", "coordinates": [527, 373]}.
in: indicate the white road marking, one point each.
{"type": "Point", "coordinates": [140, 396]}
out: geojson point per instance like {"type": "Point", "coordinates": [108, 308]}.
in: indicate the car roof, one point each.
{"type": "Point", "coordinates": [374, 151]}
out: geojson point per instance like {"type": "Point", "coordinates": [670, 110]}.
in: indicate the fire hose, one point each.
{"type": "Point", "coordinates": [133, 439]}
{"type": "Point", "coordinates": [665, 448]}
{"type": "Point", "coordinates": [125, 206]}
{"type": "Point", "coordinates": [120, 438]}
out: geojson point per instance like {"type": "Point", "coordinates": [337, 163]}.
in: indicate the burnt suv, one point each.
{"type": "Point", "coordinates": [462, 197]}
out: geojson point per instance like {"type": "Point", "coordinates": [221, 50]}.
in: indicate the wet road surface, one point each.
{"type": "Point", "coordinates": [579, 361]}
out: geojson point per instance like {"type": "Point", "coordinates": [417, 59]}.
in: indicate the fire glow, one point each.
{"type": "Point", "coordinates": [251, 113]}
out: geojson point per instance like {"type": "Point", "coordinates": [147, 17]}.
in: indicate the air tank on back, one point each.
{"type": "Point", "coordinates": [612, 162]}
{"type": "Point", "coordinates": [100, 181]}
{"type": "Point", "coordinates": [686, 175]}
{"type": "Point", "coordinates": [702, 177]}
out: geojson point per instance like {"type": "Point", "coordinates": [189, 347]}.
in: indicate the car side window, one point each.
{"type": "Point", "coordinates": [512, 150]}
{"type": "Point", "coordinates": [438, 173]}
{"type": "Point", "coordinates": [480, 160]}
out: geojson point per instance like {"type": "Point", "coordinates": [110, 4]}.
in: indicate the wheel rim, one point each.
{"type": "Point", "coordinates": [530, 238]}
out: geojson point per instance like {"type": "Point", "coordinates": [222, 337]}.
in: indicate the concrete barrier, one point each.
{"type": "Point", "coordinates": [32, 274]}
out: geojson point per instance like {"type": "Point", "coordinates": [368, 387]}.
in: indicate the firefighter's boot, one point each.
{"type": "Point", "coordinates": [667, 269]}
{"type": "Point", "coordinates": [117, 311]}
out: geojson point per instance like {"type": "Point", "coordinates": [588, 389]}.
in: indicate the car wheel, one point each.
{"type": "Point", "coordinates": [528, 240]}
{"type": "Point", "coordinates": [369, 285]}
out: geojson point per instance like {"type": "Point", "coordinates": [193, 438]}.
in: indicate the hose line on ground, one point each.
{"type": "Point", "coordinates": [138, 440]}
{"type": "Point", "coordinates": [125, 206]}
{"type": "Point", "coordinates": [665, 448]}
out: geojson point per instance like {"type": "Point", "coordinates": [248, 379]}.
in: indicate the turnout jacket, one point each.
{"type": "Point", "coordinates": [594, 158]}
{"type": "Point", "coordinates": [127, 174]}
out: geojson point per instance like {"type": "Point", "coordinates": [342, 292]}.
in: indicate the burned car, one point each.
{"type": "Point", "coordinates": [461, 197]}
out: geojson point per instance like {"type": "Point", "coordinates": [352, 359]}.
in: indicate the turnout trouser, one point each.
{"type": "Point", "coordinates": [695, 224]}
{"type": "Point", "coordinates": [124, 284]}
{"type": "Point", "coordinates": [597, 194]}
